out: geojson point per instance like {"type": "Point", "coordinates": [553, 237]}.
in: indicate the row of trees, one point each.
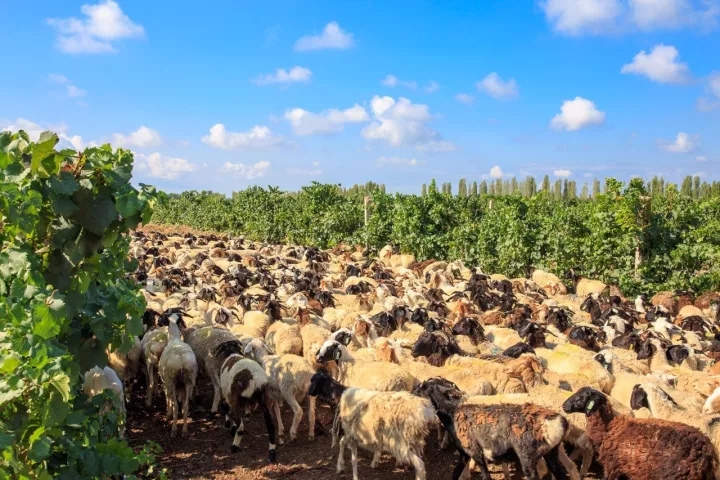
{"type": "Point", "coordinates": [624, 235]}
{"type": "Point", "coordinates": [564, 188]}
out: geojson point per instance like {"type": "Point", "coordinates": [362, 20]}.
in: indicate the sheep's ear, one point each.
{"type": "Point", "coordinates": [337, 354]}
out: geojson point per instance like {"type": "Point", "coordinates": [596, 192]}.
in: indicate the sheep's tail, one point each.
{"type": "Point", "coordinates": [180, 385]}
{"type": "Point", "coordinates": [336, 427]}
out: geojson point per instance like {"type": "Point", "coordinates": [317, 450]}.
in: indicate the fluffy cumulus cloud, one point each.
{"type": "Point", "coordinates": [563, 172]}
{"type": "Point", "coordinates": [34, 130]}
{"type": "Point", "coordinates": [495, 172]}
{"type": "Point", "coordinates": [324, 123]}
{"type": "Point", "coordinates": [258, 138]}
{"type": "Point", "coordinates": [393, 81]}
{"type": "Point", "coordinates": [104, 23]}
{"type": "Point", "coordinates": [143, 137]}
{"type": "Point", "coordinates": [595, 17]}
{"type": "Point", "coordinates": [683, 143]}
{"type": "Point", "coordinates": [576, 114]}
{"type": "Point", "coordinates": [72, 91]}
{"type": "Point", "coordinates": [163, 167]}
{"type": "Point", "coordinates": [465, 98]}
{"type": "Point", "coordinates": [660, 65]}
{"type": "Point", "coordinates": [240, 170]}
{"type": "Point", "coordinates": [407, 162]}
{"type": "Point", "coordinates": [403, 123]}
{"type": "Point", "coordinates": [494, 86]}
{"type": "Point", "coordinates": [332, 37]}
{"type": "Point", "coordinates": [296, 74]}
{"type": "Point", "coordinates": [314, 171]}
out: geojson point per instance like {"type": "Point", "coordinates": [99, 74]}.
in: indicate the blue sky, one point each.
{"type": "Point", "coordinates": [226, 94]}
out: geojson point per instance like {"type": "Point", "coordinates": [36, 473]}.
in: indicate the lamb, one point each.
{"type": "Point", "coordinates": [282, 338]}
{"type": "Point", "coordinates": [96, 380]}
{"type": "Point", "coordinates": [573, 362]}
{"type": "Point", "coordinates": [153, 344]}
{"type": "Point", "coordinates": [669, 449]}
{"type": "Point", "coordinates": [550, 283]}
{"type": "Point", "coordinates": [244, 386]}
{"type": "Point", "coordinates": [585, 286]}
{"type": "Point", "coordinates": [492, 431]}
{"type": "Point", "coordinates": [380, 376]}
{"type": "Point", "coordinates": [178, 370]}
{"type": "Point", "coordinates": [126, 365]}
{"type": "Point", "coordinates": [292, 373]}
{"type": "Point", "coordinates": [393, 422]}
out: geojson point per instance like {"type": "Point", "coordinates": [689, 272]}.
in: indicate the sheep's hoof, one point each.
{"type": "Point", "coordinates": [173, 433]}
{"type": "Point", "coordinates": [234, 449]}
{"type": "Point", "coordinates": [233, 430]}
{"type": "Point", "coordinates": [281, 440]}
{"type": "Point", "coordinates": [211, 415]}
{"type": "Point", "coordinates": [228, 424]}
{"type": "Point", "coordinates": [273, 456]}
{"type": "Point", "coordinates": [184, 433]}
{"type": "Point", "coordinates": [311, 437]}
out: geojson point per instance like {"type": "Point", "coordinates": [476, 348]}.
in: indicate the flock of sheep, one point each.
{"type": "Point", "coordinates": [501, 370]}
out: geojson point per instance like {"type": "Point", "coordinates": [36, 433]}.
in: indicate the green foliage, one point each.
{"type": "Point", "coordinates": [677, 235]}
{"type": "Point", "coordinates": [64, 298]}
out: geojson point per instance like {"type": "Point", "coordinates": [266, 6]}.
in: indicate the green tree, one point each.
{"type": "Point", "coordinates": [474, 189]}
{"type": "Point", "coordinates": [584, 192]}
{"type": "Point", "coordinates": [423, 191]}
{"type": "Point", "coordinates": [462, 188]}
{"type": "Point", "coordinates": [546, 184]}
{"type": "Point", "coordinates": [596, 188]}
{"type": "Point", "coordinates": [687, 186]}
{"type": "Point", "coordinates": [483, 188]}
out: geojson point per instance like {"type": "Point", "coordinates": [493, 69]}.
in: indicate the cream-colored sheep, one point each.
{"type": "Point", "coordinates": [282, 338]}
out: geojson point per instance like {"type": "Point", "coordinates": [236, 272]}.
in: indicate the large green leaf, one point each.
{"type": "Point", "coordinates": [64, 183]}
{"type": "Point", "coordinates": [96, 212]}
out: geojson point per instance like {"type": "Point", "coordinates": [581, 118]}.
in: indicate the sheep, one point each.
{"type": "Point", "coordinates": [585, 286]}
{"type": "Point", "coordinates": [573, 362]}
{"type": "Point", "coordinates": [629, 447]}
{"type": "Point", "coordinates": [204, 341]}
{"type": "Point", "coordinates": [293, 374]}
{"type": "Point", "coordinates": [482, 432]}
{"type": "Point", "coordinates": [282, 338]}
{"type": "Point", "coordinates": [153, 344]}
{"type": "Point", "coordinates": [380, 376]}
{"type": "Point", "coordinates": [392, 422]}
{"type": "Point", "coordinates": [244, 386]}
{"type": "Point", "coordinates": [549, 282]}
{"type": "Point", "coordinates": [96, 380]}
{"type": "Point", "coordinates": [178, 370]}
{"type": "Point", "coordinates": [126, 365]}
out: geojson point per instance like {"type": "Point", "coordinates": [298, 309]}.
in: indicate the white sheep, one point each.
{"type": "Point", "coordinates": [292, 374]}
{"type": "Point", "coordinates": [96, 380]}
{"type": "Point", "coordinates": [178, 370]}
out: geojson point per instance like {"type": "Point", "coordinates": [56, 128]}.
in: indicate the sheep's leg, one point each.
{"type": "Point", "coordinates": [445, 443]}
{"type": "Point", "coordinates": [312, 403]}
{"type": "Point", "coordinates": [376, 459]}
{"type": "Point", "coordinates": [186, 410]}
{"type": "Point", "coordinates": [270, 426]}
{"type": "Point", "coordinates": [169, 396]}
{"type": "Point", "coordinates": [237, 438]}
{"type": "Point", "coordinates": [297, 416]}
{"type": "Point", "coordinates": [557, 460]}
{"type": "Point", "coordinates": [341, 455]}
{"type": "Point", "coordinates": [353, 457]}
{"type": "Point", "coordinates": [587, 456]}
{"type": "Point", "coordinates": [281, 426]}
{"type": "Point", "coordinates": [217, 395]}
{"type": "Point", "coordinates": [506, 470]}
{"type": "Point", "coordinates": [529, 467]}
{"type": "Point", "coordinates": [174, 407]}
{"type": "Point", "coordinates": [419, 466]}
{"type": "Point", "coordinates": [151, 383]}
{"type": "Point", "coordinates": [460, 467]}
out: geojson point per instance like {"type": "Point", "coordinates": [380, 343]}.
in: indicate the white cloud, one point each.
{"type": "Point", "coordinates": [706, 104]}
{"type": "Point", "coordinates": [393, 81]}
{"type": "Point", "coordinates": [296, 74]}
{"type": "Point", "coordinates": [408, 162]}
{"type": "Point", "coordinates": [71, 90]}
{"type": "Point", "coordinates": [660, 65]}
{"type": "Point", "coordinates": [494, 86]}
{"type": "Point", "coordinates": [327, 122]}
{"type": "Point", "coordinates": [596, 17]}
{"type": "Point", "coordinates": [563, 172]}
{"type": "Point", "coordinates": [403, 123]}
{"type": "Point", "coordinates": [576, 114]}
{"type": "Point", "coordinates": [105, 23]}
{"type": "Point", "coordinates": [701, 158]}
{"type": "Point", "coordinates": [432, 87]}
{"type": "Point", "coordinates": [259, 137]}
{"type": "Point", "coordinates": [573, 17]}
{"type": "Point", "coordinates": [311, 172]}
{"type": "Point", "coordinates": [465, 98]}
{"type": "Point", "coordinates": [587, 175]}
{"type": "Point", "coordinates": [496, 172]}
{"type": "Point", "coordinates": [683, 143]}
{"type": "Point", "coordinates": [166, 168]}
{"type": "Point", "coordinates": [34, 130]}
{"type": "Point", "coordinates": [249, 172]}
{"type": "Point", "coordinates": [332, 36]}
{"type": "Point", "coordinates": [143, 137]}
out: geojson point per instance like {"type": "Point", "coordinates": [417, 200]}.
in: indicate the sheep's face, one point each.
{"type": "Point", "coordinates": [471, 328]}
{"type": "Point", "coordinates": [587, 304]}
{"type": "Point", "coordinates": [639, 398]}
{"type": "Point", "coordinates": [443, 394]}
{"type": "Point", "coordinates": [585, 337]}
{"type": "Point", "coordinates": [329, 352]}
{"type": "Point", "coordinates": [587, 400]}
{"type": "Point", "coordinates": [518, 349]}
{"type": "Point", "coordinates": [426, 345]}
{"type": "Point", "coordinates": [603, 360]}
{"type": "Point", "coordinates": [433, 325]}
{"type": "Point", "coordinates": [419, 316]}
{"type": "Point", "coordinates": [646, 350]}
{"type": "Point", "coordinates": [343, 336]}
{"type": "Point", "coordinates": [677, 354]}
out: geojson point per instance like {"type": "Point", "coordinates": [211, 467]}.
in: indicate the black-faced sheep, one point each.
{"type": "Point", "coordinates": [494, 431]}
{"type": "Point", "coordinates": [643, 448]}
